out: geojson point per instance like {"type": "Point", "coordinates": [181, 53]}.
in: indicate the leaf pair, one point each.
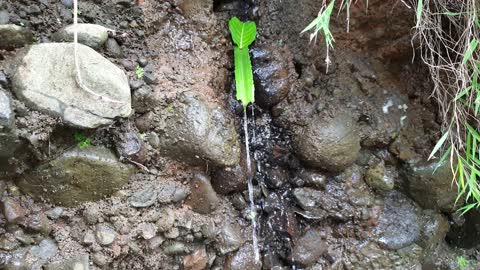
{"type": "Point", "coordinates": [243, 34]}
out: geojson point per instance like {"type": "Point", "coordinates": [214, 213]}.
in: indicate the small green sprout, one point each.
{"type": "Point", "coordinates": [139, 72]}
{"type": "Point", "coordinates": [82, 140]}
{"type": "Point", "coordinates": [462, 263]}
{"type": "Point", "coordinates": [243, 34]}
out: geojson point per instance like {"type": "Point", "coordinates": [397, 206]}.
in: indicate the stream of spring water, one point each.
{"type": "Point", "coordinates": [253, 212]}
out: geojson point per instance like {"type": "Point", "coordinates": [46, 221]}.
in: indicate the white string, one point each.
{"type": "Point", "coordinates": [78, 76]}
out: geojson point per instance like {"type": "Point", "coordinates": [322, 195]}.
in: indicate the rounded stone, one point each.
{"type": "Point", "coordinates": [331, 143]}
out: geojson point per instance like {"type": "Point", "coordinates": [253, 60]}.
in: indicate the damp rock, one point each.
{"type": "Point", "coordinates": [76, 176]}
{"type": "Point", "coordinates": [175, 248]}
{"type": "Point", "coordinates": [203, 198]}
{"type": "Point", "coordinates": [38, 223]}
{"type": "Point", "coordinates": [113, 48]}
{"type": "Point", "coordinates": [76, 263]}
{"type": "Point", "coordinates": [144, 198]}
{"type": "Point", "coordinates": [244, 258]}
{"type": "Point", "coordinates": [147, 230]}
{"type": "Point", "coordinates": [331, 143]}
{"type": "Point", "coordinates": [379, 177]}
{"type": "Point", "coordinates": [312, 179]}
{"type": "Point", "coordinates": [13, 210]}
{"type": "Point", "coordinates": [430, 185]}
{"type": "Point", "coordinates": [198, 260]}
{"type": "Point", "coordinates": [14, 36]}
{"type": "Point", "coordinates": [91, 35]}
{"type": "Point", "coordinates": [104, 234]}
{"type": "Point", "coordinates": [400, 223]}
{"type": "Point", "coordinates": [232, 179]}
{"type": "Point", "coordinates": [309, 248]}
{"type": "Point", "coordinates": [204, 132]}
{"type": "Point", "coordinates": [274, 74]}
{"type": "Point", "coordinates": [37, 79]}
{"type": "Point", "coordinates": [129, 145]}
{"type": "Point", "coordinates": [230, 238]}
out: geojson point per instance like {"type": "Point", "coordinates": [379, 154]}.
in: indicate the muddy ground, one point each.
{"type": "Point", "coordinates": [341, 177]}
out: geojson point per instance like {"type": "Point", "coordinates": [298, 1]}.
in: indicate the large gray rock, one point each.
{"type": "Point", "coordinates": [8, 138]}
{"type": "Point", "coordinates": [431, 185]}
{"type": "Point", "coordinates": [45, 84]}
{"type": "Point", "coordinates": [403, 223]}
{"type": "Point", "coordinates": [328, 142]}
{"type": "Point", "coordinates": [14, 36]}
{"type": "Point", "coordinates": [92, 35]}
{"type": "Point", "coordinates": [195, 131]}
{"type": "Point", "coordinates": [77, 176]}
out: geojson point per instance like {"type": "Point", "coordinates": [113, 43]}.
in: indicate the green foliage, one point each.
{"type": "Point", "coordinates": [322, 24]}
{"type": "Point", "coordinates": [139, 72]}
{"type": "Point", "coordinates": [243, 34]}
{"type": "Point", "coordinates": [462, 263]}
{"type": "Point", "coordinates": [82, 140]}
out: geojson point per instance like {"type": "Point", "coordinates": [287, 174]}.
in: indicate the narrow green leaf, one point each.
{"type": "Point", "coordinates": [472, 131]}
{"type": "Point", "coordinates": [243, 76]}
{"type": "Point", "coordinates": [419, 11]}
{"type": "Point", "coordinates": [463, 93]}
{"type": "Point", "coordinates": [471, 48]}
{"type": "Point", "coordinates": [439, 144]}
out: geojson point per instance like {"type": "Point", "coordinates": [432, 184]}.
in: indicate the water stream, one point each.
{"type": "Point", "coordinates": [253, 212]}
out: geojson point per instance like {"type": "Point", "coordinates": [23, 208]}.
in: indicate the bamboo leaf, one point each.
{"type": "Point", "coordinates": [471, 48]}
{"type": "Point", "coordinates": [439, 144]}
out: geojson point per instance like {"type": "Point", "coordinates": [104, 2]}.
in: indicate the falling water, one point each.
{"type": "Point", "coordinates": [253, 212]}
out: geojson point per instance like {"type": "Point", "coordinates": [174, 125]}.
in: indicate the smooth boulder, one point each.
{"type": "Point", "coordinates": [197, 132]}
{"type": "Point", "coordinates": [14, 36]}
{"type": "Point", "coordinates": [92, 35]}
{"type": "Point", "coordinates": [45, 80]}
{"type": "Point", "coordinates": [431, 185]}
{"type": "Point", "coordinates": [331, 143]}
{"type": "Point", "coordinates": [77, 176]}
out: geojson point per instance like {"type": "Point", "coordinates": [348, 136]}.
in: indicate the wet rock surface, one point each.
{"type": "Point", "coordinates": [203, 132]}
{"type": "Point", "coordinates": [329, 143]}
{"type": "Point", "coordinates": [13, 36]}
{"type": "Point", "coordinates": [75, 105]}
{"type": "Point", "coordinates": [203, 198]}
{"type": "Point", "coordinates": [309, 248]}
{"type": "Point", "coordinates": [274, 74]}
{"type": "Point", "coordinates": [430, 185]}
{"type": "Point", "coordinates": [77, 176]}
{"type": "Point", "coordinates": [91, 35]}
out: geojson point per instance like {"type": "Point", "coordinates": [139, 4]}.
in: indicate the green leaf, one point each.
{"type": "Point", "coordinates": [463, 93]}
{"type": "Point", "coordinates": [243, 33]}
{"type": "Point", "coordinates": [439, 144]}
{"type": "Point", "coordinates": [243, 76]}
{"type": "Point", "coordinates": [471, 48]}
{"type": "Point", "coordinates": [419, 11]}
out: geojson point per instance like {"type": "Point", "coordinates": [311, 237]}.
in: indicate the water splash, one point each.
{"type": "Point", "coordinates": [253, 212]}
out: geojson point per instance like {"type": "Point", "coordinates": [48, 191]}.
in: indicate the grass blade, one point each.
{"type": "Point", "coordinates": [439, 145]}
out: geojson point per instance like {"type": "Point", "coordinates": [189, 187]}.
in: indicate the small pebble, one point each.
{"type": "Point", "coordinates": [142, 61]}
